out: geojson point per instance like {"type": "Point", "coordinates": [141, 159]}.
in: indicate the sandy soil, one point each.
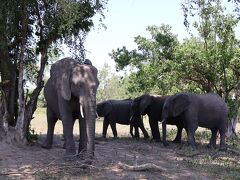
{"type": "Point", "coordinates": [111, 158]}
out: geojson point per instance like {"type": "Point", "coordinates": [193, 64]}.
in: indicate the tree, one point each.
{"type": "Point", "coordinates": [150, 62]}
{"type": "Point", "coordinates": [29, 30]}
{"type": "Point", "coordinates": [205, 62]}
{"type": "Point", "coordinates": [214, 64]}
{"type": "Point", "coordinates": [112, 86]}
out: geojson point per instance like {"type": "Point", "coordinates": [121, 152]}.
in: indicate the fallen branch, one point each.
{"type": "Point", "coordinates": [216, 155]}
{"type": "Point", "coordinates": [15, 173]}
{"type": "Point", "coordinates": [143, 167]}
{"type": "Point", "coordinates": [233, 151]}
{"type": "Point", "coordinates": [188, 155]}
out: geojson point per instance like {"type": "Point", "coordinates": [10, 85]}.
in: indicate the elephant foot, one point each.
{"type": "Point", "coordinates": [70, 154]}
{"type": "Point", "coordinates": [46, 145]}
{"type": "Point", "coordinates": [165, 143]}
{"type": "Point", "coordinates": [223, 148]}
{"type": "Point", "coordinates": [177, 141]}
{"type": "Point", "coordinates": [193, 147]}
{"type": "Point", "coordinates": [211, 146]}
{"type": "Point", "coordinates": [104, 136]}
{"type": "Point", "coordinates": [64, 145]}
{"type": "Point", "coordinates": [156, 140]}
{"type": "Point", "coordinates": [146, 136]}
{"type": "Point", "coordinates": [136, 137]}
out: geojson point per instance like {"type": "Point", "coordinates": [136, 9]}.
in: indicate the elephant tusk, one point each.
{"type": "Point", "coordinates": [164, 120]}
{"type": "Point", "coordinates": [81, 111]}
{"type": "Point", "coordinates": [131, 118]}
{"type": "Point", "coordinates": [97, 116]}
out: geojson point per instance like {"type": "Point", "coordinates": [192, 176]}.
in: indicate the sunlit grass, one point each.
{"type": "Point", "coordinates": [39, 124]}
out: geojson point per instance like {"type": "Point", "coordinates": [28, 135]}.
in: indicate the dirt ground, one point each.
{"type": "Point", "coordinates": [123, 158]}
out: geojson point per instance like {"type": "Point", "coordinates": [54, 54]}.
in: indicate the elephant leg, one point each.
{"type": "Point", "coordinates": [178, 137]}
{"type": "Point", "coordinates": [105, 127]}
{"type": "Point", "coordinates": [191, 138]}
{"type": "Point", "coordinates": [155, 130]}
{"type": "Point", "coordinates": [212, 142]}
{"type": "Point", "coordinates": [51, 121]}
{"type": "Point", "coordinates": [114, 129]}
{"type": "Point", "coordinates": [145, 133]}
{"type": "Point", "coordinates": [136, 132]}
{"type": "Point", "coordinates": [68, 133]}
{"type": "Point", "coordinates": [222, 138]}
{"type": "Point", "coordinates": [131, 130]}
{"type": "Point", "coordinates": [68, 122]}
{"type": "Point", "coordinates": [83, 136]}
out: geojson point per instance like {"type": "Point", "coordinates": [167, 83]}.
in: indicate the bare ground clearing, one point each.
{"type": "Point", "coordinates": [122, 158]}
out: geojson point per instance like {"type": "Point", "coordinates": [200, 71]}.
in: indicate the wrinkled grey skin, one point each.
{"type": "Point", "coordinates": [152, 106]}
{"type": "Point", "coordinates": [118, 111]}
{"type": "Point", "coordinates": [71, 84]}
{"type": "Point", "coordinates": [205, 110]}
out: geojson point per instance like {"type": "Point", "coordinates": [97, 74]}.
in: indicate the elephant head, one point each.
{"type": "Point", "coordinates": [73, 80]}
{"type": "Point", "coordinates": [104, 108]}
{"type": "Point", "coordinates": [173, 107]}
{"type": "Point", "coordinates": [140, 104]}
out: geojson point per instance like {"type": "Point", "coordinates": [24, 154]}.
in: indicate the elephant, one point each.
{"type": "Point", "coordinates": [205, 110]}
{"type": "Point", "coordinates": [118, 111]}
{"type": "Point", "coordinates": [152, 106]}
{"type": "Point", "coordinates": [70, 93]}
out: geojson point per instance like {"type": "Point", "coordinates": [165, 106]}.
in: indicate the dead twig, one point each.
{"type": "Point", "coordinates": [143, 167]}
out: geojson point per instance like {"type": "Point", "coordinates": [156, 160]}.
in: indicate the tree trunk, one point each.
{"type": "Point", "coordinates": [20, 130]}
{"type": "Point", "coordinates": [32, 103]}
{"type": "Point", "coordinates": [5, 70]}
{"type": "Point", "coordinates": [3, 115]}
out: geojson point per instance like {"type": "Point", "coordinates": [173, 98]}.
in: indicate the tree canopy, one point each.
{"type": "Point", "coordinates": [208, 61]}
{"type": "Point", "coordinates": [30, 32]}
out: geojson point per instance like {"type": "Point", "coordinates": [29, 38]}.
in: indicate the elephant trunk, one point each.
{"type": "Point", "coordinates": [87, 125]}
{"type": "Point", "coordinates": [90, 124]}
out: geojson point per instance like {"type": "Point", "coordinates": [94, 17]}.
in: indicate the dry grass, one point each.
{"type": "Point", "coordinates": [39, 124]}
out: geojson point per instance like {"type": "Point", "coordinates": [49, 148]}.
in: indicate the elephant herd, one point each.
{"type": "Point", "coordinates": [70, 94]}
{"type": "Point", "coordinates": [185, 110]}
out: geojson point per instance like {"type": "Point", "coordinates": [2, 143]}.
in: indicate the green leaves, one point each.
{"type": "Point", "coordinates": [206, 62]}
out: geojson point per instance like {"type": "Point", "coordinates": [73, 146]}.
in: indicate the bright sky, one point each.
{"type": "Point", "coordinates": [126, 19]}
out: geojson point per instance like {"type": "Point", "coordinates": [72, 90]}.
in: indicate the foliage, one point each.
{"type": "Point", "coordinates": [111, 85]}
{"type": "Point", "coordinates": [31, 135]}
{"type": "Point", "coordinates": [215, 64]}
{"type": "Point", "coordinates": [150, 62]}
{"type": "Point", "coordinates": [31, 32]}
{"type": "Point", "coordinates": [206, 62]}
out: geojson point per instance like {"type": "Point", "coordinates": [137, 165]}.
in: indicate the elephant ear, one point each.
{"type": "Point", "coordinates": [60, 73]}
{"type": "Point", "coordinates": [107, 108]}
{"type": "Point", "coordinates": [180, 104]}
{"type": "Point", "coordinates": [144, 103]}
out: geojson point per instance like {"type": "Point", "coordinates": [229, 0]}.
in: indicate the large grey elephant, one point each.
{"type": "Point", "coordinates": [152, 106]}
{"type": "Point", "coordinates": [118, 111]}
{"type": "Point", "coordinates": [70, 94]}
{"type": "Point", "coordinates": [204, 110]}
